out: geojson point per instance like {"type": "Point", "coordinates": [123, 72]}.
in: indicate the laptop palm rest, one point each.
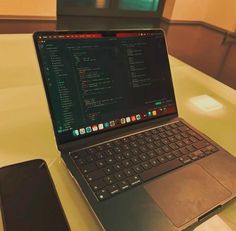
{"type": "Point", "coordinates": [186, 194]}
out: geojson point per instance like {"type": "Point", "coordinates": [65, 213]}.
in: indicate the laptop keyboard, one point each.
{"type": "Point", "coordinates": [118, 165]}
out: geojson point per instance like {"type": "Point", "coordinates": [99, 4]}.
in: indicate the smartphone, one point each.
{"type": "Point", "coordinates": [29, 201]}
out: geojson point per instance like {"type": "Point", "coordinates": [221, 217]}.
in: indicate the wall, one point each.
{"type": "Point", "coordinates": [188, 10]}
{"type": "Point", "coordinates": [215, 12]}
{"type": "Point", "coordinates": [221, 14]}
{"type": "Point", "coordinates": [28, 9]}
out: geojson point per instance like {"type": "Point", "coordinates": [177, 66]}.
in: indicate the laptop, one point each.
{"type": "Point", "coordinates": [139, 166]}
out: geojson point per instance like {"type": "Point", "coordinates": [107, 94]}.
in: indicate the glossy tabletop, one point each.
{"type": "Point", "coordinates": [26, 131]}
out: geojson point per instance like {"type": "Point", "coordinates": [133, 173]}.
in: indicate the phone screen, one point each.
{"type": "Point", "coordinates": [29, 200]}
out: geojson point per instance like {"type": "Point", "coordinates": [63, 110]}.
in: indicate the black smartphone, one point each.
{"type": "Point", "coordinates": [29, 201]}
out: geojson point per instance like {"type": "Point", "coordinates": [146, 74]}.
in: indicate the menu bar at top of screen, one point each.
{"type": "Point", "coordinates": [95, 35]}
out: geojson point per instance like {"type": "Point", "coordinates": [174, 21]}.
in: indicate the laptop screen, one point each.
{"type": "Point", "coordinates": [98, 81]}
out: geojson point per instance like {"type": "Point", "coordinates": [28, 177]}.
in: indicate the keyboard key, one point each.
{"type": "Point", "coordinates": [212, 148]}
{"type": "Point", "coordinates": [127, 163]}
{"type": "Point", "coordinates": [183, 128]}
{"type": "Point", "coordinates": [206, 151]}
{"type": "Point", "coordinates": [174, 146]}
{"type": "Point", "coordinates": [117, 142]}
{"type": "Point", "coordinates": [187, 141]}
{"type": "Point", "coordinates": [140, 135]}
{"type": "Point", "coordinates": [91, 158]}
{"type": "Point", "coordinates": [154, 131]}
{"type": "Point", "coordinates": [160, 130]}
{"type": "Point", "coordinates": [193, 139]}
{"type": "Point", "coordinates": [97, 185]}
{"type": "Point", "coordinates": [147, 133]}
{"type": "Point", "coordinates": [100, 155]}
{"type": "Point", "coordinates": [109, 180]}
{"type": "Point", "coordinates": [154, 162]}
{"type": "Point", "coordinates": [173, 125]}
{"type": "Point", "coordinates": [149, 139]}
{"type": "Point", "coordinates": [175, 131]}
{"type": "Point", "coordinates": [169, 133]}
{"type": "Point", "coordinates": [100, 163]}
{"type": "Point", "coordinates": [201, 144]}
{"type": "Point", "coordinates": [108, 145]}
{"type": "Point", "coordinates": [146, 165]}
{"type": "Point", "coordinates": [136, 151]}
{"type": "Point", "coordinates": [135, 180]}
{"type": "Point", "coordinates": [177, 153]}
{"type": "Point", "coordinates": [91, 150]}
{"type": "Point", "coordinates": [138, 168]}
{"type": "Point", "coordinates": [133, 137]}
{"type": "Point", "coordinates": [103, 194]}
{"type": "Point", "coordinates": [151, 146]}
{"type": "Point", "coordinates": [134, 144]}
{"type": "Point", "coordinates": [159, 152]}
{"type": "Point", "coordinates": [167, 127]}
{"type": "Point", "coordinates": [135, 160]}
{"type": "Point", "coordinates": [191, 148]}
{"type": "Point", "coordinates": [198, 137]}
{"type": "Point", "coordinates": [160, 169]}
{"type": "Point", "coordinates": [165, 141]}
{"type": "Point", "coordinates": [151, 154]}
{"type": "Point", "coordinates": [95, 175]}
{"type": "Point", "coordinates": [88, 168]}
{"type": "Point", "coordinates": [143, 148]}
{"type": "Point", "coordinates": [119, 176]}
{"type": "Point", "coordinates": [185, 134]}
{"type": "Point", "coordinates": [129, 172]}
{"type": "Point", "coordinates": [119, 157]}
{"type": "Point", "coordinates": [184, 151]}
{"type": "Point", "coordinates": [185, 159]}
{"type": "Point", "coordinates": [158, 143]}
{"type": "Point", "coordinates": [118, 166]}
{"type": "Point", "coordinates": [143, 157]}
{"type": "Point", "coordinates": [125, 147]}
{"type": "Point", "coordinates": [110, 160]}
{"type": "Point", "coordinates": [110, 152]}
{"type": "Point", "coordinates": [162, 159]}
{"type": "Point", "coordinates": [113, 189]}
{"type": "Point", "coordinates": [179, 124]}
{"type": "Point", "coordinates": [199, 153]}
{"type": "Point", "coordinates": [124, 185]}
{"type": "Point", "coordinates": [156, 137]}
{"type": "Point", "coordinates": [117, 149]}
{"type": "Point", "coordinates": [163, 135]}
{"type": "Point", "coordinates": [170, 156]}
{"type": "Point", "coordinates": [167, 149]}
{"type": "Point", "coordinates": [193, 156]}
{"type": "Point", "coordinates": [180, 144]}
{"type": "Point", "coordinates": [100, 148]}
{"type": "Point", "coordinates": [127, 154]}
{"type": "Point", "coordinates": [109, 170]}
{"type": "Point", "coordinates": [80, 161]}
{"type": "Point", "coordinates": [141, 141]}
{"type": "Point", "coordinates": [178, 137]}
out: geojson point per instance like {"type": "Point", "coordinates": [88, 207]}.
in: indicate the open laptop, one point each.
{"type": "Point", "coordinates": [113, 108]}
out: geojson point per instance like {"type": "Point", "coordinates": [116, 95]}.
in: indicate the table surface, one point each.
{"type": "Point", "coordinates": [27, 133]}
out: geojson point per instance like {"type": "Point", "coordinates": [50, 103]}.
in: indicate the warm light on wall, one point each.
{"type": "Point", "coordinates": [100, 3]}
{"type": "Point", "coordinates": [206, 103]}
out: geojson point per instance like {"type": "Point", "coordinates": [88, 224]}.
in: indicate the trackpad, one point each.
{"type": "Point", "coordinates": [186, 194]}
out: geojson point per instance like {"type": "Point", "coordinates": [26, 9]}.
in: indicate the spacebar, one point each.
{"type": "Point", "coordinates": [160, 169]}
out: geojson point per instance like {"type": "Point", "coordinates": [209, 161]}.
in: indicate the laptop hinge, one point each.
{"type": "Point", "coordinates": [116, 133]}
